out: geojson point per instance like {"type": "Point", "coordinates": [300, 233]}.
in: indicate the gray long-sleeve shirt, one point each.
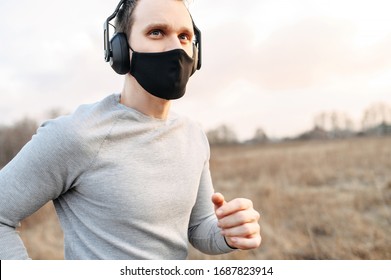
{"type": "Point", "coordinates": [124, 185]}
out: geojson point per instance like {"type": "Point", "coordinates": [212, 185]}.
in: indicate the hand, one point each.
{"type": "Point", "coordinates": [238, 222]}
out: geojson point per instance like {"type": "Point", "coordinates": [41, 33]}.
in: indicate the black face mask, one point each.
{"type": "Point", "coordinates": [163, 74]}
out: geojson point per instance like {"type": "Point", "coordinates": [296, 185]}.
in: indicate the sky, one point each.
{"type": "Point", "coordinates": [270, 64]}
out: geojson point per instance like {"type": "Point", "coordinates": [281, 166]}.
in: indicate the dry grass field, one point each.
{"type": "Point", "coordinates": [318, 200]}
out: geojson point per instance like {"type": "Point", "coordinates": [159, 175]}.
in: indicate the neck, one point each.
{"type": "Point", "coordinates": [135, 97]}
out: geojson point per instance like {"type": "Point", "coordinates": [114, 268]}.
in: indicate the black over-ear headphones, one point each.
{"type": "Point", "coordinates": [117, 49]}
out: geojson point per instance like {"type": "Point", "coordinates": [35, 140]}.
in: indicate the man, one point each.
{"type": "Point", "coordinates": [129, 179]}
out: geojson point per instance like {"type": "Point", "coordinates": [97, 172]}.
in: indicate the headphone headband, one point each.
{"type": "Point", "coordinates": [108, 52]}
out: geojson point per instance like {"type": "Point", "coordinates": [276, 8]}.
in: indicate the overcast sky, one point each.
{"type": "Point", "coordinates": [273, 64]}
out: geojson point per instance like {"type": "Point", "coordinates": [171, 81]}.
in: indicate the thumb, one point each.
{"type": "Point", "coordinates": [218, 200]}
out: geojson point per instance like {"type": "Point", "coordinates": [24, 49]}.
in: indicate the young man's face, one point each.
{"type": "Point", "coordinates": [161, 25]}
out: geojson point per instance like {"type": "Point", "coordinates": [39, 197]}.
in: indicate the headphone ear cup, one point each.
{"type": "Point", "coordinates": [120, 59]}
{"type": "Point", "coordinates": [195, 57]}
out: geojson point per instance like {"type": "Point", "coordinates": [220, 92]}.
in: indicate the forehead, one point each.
{"type": "Point", "coordinates": [169, 12]}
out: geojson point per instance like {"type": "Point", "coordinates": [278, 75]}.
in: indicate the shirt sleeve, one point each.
{"type": "Point", "coordinates": [204, 234]}
{"type": "Point", "coordinates": [40, 172]}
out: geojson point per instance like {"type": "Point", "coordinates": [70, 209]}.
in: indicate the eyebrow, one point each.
{"type": "Point", "coordinates": [165, 26]}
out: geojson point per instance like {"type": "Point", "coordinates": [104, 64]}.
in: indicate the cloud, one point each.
{"type": "Point", "coordinates": [226, 57]}
{"type": "Point", "coordinates": [317, 51]}
{"type": "Point", "coordinates": [258, 59]}
{"type": "Point", "coordinates": [303, 54]}
{"type": "Point", "coordinates": [309, 53]}
{"type": "Point", "coordinates": [52, 56]}
{"type": "Point", "coordinates": [281, 81]}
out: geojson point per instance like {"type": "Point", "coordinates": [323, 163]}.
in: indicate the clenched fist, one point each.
{"type": "Point", "coordinates": [238, 222]}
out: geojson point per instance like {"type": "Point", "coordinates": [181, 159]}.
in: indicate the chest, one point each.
{"type": "Point", "coordinates": [152, 176]}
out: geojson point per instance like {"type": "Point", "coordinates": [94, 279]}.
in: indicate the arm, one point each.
{"type": "Point", "coordinates": [227, 226]}
{"type": "Point", "coordinates": [40, 172]}
{"type": "Point", "coordinates": [204, 234]}
{"type": "Point", "coordinates": [231, 225]}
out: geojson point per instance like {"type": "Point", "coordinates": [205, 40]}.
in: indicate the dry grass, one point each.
{"type": "Point", "coordinates": [42, 234]}
{"type": "Point", "coordinates": [318, 200]}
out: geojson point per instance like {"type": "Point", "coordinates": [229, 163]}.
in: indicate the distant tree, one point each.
{"type": "Point", "coordinates": [222, 135]}
{"type": "Point", "coordinates": [376, 114]}
{"type": "Point", "coordinates": [320, 121]}
{"type": "Point", "coordinates": [336, 121]}
{"type": "Point", "coordinates": [336, 124]}
{"type": "Point", "coordinates": [14, 137]}
{"type": "Point", "coordinates": [55, 112]}
{"type": "Point", "coordinates": [259, 136]}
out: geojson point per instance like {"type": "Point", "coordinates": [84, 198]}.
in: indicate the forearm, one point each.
{"type": "Point", "coordinates": [11, 246]}
{"type": "Point", "coordinates": [207, 238]}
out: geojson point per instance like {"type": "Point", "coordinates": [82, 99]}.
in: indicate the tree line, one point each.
{"type": "Point", "coordinates": [14, 137]}
{"type": "Point", "coordinates": [376, 120]}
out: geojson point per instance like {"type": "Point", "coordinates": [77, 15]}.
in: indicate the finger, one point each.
{"type": "Point", "coordinates": [218, 200]}
{"type": "Point", "coordinates": [245, 230]}
{"type": "Point", "coordinates": [245, 243]}
{"type": "Point", "coordinates": [239, 218]}
{"type": "Point", "coordinates": [235, 205]}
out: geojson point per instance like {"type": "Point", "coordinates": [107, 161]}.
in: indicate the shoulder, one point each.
{"type": "Point", "coordinates": [87, 125]}
{"type": "Point", "coordinates": [194, 130]}
{"type": "Point", "coordinates": [189, 123]}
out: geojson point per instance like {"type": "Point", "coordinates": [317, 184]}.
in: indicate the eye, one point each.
{"type": "Point", "coordinates": [156, 33]}
{"type": "Point", "coordinates": [184, 37]}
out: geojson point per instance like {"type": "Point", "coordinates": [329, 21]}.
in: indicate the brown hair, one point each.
{"type": "Point", "coordinates": [124, 19]}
